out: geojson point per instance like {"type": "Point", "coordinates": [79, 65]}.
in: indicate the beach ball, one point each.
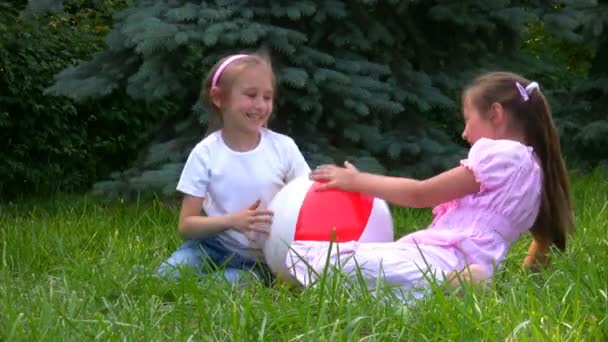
{"type": "Point", "coordinates": [301, 212]}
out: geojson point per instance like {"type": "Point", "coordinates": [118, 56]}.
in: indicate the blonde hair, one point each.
{"type": "Point", "coordinates": [532, 113]}
{"type": "Point", "coordinates": [225, 82]}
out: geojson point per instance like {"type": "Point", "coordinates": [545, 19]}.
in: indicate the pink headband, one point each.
{"type": "Point", "coordinates": [223, 66]}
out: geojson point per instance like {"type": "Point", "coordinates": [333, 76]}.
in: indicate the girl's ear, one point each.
{"type": "Point", "coordinates": [215, 96]}
{"type": "Point", "coordinates": [497, 114]}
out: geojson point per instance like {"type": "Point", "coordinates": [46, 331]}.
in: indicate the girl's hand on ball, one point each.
{"type": "Point", "coordinates": [334, 176]}
{"type": "Point", "coordinates": [252, 220]}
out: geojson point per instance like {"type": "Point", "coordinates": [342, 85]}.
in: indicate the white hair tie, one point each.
{"type": "Point", "coordinates": [530, 87]}
{"type": "Point", "coordinates": [526, 92]}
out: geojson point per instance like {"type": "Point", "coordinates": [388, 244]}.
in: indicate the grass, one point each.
{"type": "Point", "coordinates": [78, 268]}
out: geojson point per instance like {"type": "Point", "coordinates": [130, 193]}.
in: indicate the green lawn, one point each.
{"type": "Point", "coordinates": [78, 268]}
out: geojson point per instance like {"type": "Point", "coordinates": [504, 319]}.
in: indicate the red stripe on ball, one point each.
{"type": "Point", "coordinates": [323, 211]}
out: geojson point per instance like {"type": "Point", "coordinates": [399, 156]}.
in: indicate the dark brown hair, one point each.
{"type": "Point", "coordinates": [226, 81]}
{"type": "Point", "coordinates": [555, 220]}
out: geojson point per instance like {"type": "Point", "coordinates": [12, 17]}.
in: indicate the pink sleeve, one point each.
{"type": "Point", "coordinates": [494, 162]}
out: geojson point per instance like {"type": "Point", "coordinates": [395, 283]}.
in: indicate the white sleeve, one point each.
{"type": "Point", "coordinates": [195, 175]}
{"type": "Point", "coordinates": [297, 165]}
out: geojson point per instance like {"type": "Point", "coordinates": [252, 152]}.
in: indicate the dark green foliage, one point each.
{"type": "Point", "coordinates": [574, 68]}
{"type": "Point", "coordinates": [51, 143]}
{"type": "Point", "coordinates": [585, 115]}
{"type": "Point", "coordinates": [377, 83]}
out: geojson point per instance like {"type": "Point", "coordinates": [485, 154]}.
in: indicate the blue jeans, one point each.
{"type": "Point", "coordinates": [207, 256]}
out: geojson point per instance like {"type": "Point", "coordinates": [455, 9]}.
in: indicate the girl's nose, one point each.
{"type": "Point", "coordinates": [259, 103]}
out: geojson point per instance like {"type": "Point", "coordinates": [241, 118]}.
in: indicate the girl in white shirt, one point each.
{"type": "Point", "coordinates": [233, 173]}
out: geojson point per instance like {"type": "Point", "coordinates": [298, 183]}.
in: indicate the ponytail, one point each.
{"type": "Point", "coordinates": [555, 220]}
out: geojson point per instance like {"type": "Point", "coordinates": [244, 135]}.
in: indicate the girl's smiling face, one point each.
{"type": "Point", "coordinates": [249, 103]}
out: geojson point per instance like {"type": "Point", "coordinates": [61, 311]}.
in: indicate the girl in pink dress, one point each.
{"type": "Point", "coordinates": [513, 181]}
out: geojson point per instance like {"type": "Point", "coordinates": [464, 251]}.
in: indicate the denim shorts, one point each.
{"type": "Point", "coordinates": [210, 256]}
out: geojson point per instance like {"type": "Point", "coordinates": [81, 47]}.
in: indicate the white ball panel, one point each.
{"type": "Point", "coordinates": [286, 207]}
{"type": "Point", "coordinates": [379, 227]}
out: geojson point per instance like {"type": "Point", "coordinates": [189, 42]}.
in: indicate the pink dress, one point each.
{"type": "Point", "coordinates": [475, 229]}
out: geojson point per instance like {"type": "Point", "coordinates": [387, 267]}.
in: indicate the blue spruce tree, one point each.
{"type": "Point", "coordinates": [584, 111]}
{"type": "Point", "coordinates": [374, 82]}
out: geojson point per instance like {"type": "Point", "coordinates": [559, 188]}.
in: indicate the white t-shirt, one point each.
{"type": "Point", "coordinates": [231, 181]}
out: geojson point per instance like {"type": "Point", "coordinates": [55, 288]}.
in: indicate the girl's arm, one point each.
{"type": "Point", "coordinates": [406, 192]}
{"type": "Point", "coordinates": [538, 254]}
{"type": "Point", "coordinates": [194, 226]}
